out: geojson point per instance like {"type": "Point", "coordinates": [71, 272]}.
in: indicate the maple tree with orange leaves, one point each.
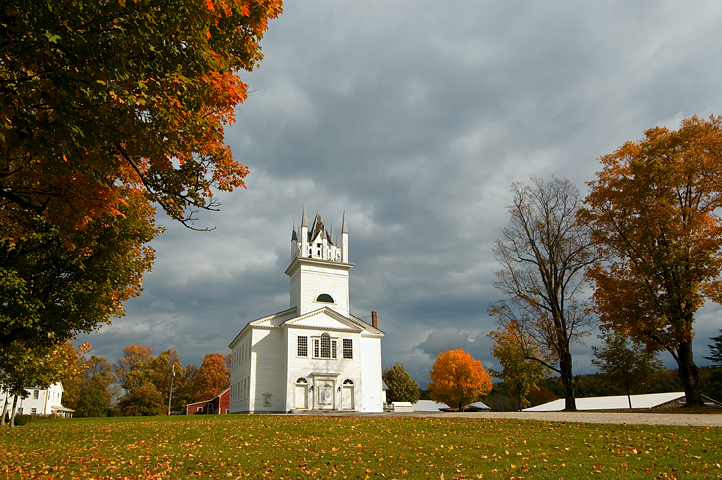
{"type": "Point", "coordinates": [654, 211]}
{"type": "Point", "coordinates": [212, 378]}
{"type": "Point", "coordinates": [457, 379]}
{"type": "Point", "coordinates": [99, 95]}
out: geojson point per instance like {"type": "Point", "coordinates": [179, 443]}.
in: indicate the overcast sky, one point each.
{"type": "Point", "coordinates": [415, 117]}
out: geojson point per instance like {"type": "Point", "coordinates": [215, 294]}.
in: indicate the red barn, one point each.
{"type": "Point", "coordinates": [215, 406]}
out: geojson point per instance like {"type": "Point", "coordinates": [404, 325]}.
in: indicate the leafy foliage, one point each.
{"type": "Point", "coordinates": [98, 96]}
{"type": "Point", "coordinates": [130, 369]}
{"type": "Point", "coordinates": [212, 378]}
{"type": "Point", "coordinates": [631, 366]}
{"type": "Point", "coordinates": [716, 350]}
{"type": "Point", "coordinates": [401, 387]}
{"type": "Point", "coordinates": [521, 375]}
{"type": "Point", "coordinates": [139, 366]}
{"type": "Point", "coordinates": [142, 400]}
{"type": "Point", "coordinates": [457, 379]}
{"type": "Point", "coordinates": [183, 387]}
{"type": "Point", "coordinates": [94, 373]}
{"type": "Point", "coordinates": [654, 213]}
{"type": "Point", "coordinates": [92, 404]}
{"type": "Point", "coordinates": [543, 253]}
{"type": "Point", "coordinates": [50, 292]}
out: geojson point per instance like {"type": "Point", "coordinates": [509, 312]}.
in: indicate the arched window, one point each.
{"type": "Point", "coordinates": [348, 381]}
{"type": "Point", "coordinates": [325, 298]}
{"type": "Point", "coordinates": [301, 380]}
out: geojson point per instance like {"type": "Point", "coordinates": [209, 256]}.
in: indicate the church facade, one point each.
{"type": "Point", "coordinates": [315, 356]}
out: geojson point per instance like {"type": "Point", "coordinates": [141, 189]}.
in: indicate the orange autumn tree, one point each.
{"type": "Point", "coordinates": [212, 378]}
{"type": "Point", "coordinates": [654, 211]}
{"type": "Point", "coordinates": [130, 370]}
{"type": "Point", "coordinates": [96, 96]}
{"type": "Point", "coordinates": [457, 379]}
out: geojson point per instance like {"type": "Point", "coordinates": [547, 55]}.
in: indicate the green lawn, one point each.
{"type": "Point", "coordinates": [264, 446]}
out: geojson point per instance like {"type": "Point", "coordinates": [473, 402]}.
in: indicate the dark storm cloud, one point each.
{"type": "Point", "coordinates": [415, 117]}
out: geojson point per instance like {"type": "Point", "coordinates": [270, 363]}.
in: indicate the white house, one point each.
{"type": "Point", "coordinates": [40, 401]}
{"type": "Point", "coordinates": [315, 355]}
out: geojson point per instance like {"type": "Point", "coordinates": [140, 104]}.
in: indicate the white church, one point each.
{"type": "Point", "coordinates": [315, 356]}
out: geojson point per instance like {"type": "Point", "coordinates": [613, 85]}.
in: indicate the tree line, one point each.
{"type": "Point", "coordinates": [138, 383]}
{"type": "Point", "coordinates": [645, 241]}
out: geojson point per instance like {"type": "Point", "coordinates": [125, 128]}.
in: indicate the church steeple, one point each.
{"type": "Point", "coordinates": [317, 242]}
{"type": "Point", "coordinates": [319, 267]}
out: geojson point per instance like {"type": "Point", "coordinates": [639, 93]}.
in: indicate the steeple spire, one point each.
{"type": "Point", "coordinates": [303, 251]}
{"type": "Point", "coordinates": [344, 240]}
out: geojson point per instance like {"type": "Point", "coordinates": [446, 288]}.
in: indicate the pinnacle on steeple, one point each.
{"type": "Point", "coordinates": [294, 236]}
{"type": "Point", "coordinates": [304, 222]}
{"type": "Point", "coordinates": [318, 227]}
{"type": "Point", "coordinates": [344, 228]}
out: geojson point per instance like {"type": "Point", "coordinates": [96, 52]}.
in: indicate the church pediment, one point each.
{"type": "Point", "coordinates": [324, 319]}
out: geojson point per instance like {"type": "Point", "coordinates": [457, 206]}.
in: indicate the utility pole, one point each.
{"type": "Point", "coordinates": [170, 393]}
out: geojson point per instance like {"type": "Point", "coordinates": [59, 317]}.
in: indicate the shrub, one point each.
{"type": "Point", "coordinates": [22, 419]}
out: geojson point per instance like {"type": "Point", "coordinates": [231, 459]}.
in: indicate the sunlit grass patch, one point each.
{"type": "Point", "coordinates": [260, 446]}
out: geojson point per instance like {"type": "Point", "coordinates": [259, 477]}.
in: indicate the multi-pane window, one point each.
{"type": "Point", "coordinates": [325, 346]}
{"type": "Point", "coordinates": [333, 348]}
{"type": "Point", "coordinates": [36, 393]}
{"type": "Point", "coordinates": [302, 347]}
{"type": "Point", "coordinates": [347, 348]}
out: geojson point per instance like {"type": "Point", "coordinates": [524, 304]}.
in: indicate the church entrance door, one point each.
{"type": "Point", "coordinates": [301, 400]}
{"type": "Point", "coordinates": [348, 399]}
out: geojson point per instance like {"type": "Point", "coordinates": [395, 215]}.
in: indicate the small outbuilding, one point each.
{"type": "Point", "coordinates": [403, 407]}
{"type": "Point", "coordinates": [429, 406]}
{"type": "Point", "coordinates": [215, 406]}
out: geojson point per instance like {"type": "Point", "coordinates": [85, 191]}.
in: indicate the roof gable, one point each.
{"type": "Point", "coordinates": [324, 319]}
{"type": "Point", "coordinates": [270, 321]}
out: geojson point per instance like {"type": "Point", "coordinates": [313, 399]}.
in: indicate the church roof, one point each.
{"type": "Point", "coordinates": [365, 325]}
{"type": "Point", "coordinates": [280, 319]}
{"type": "Point", "coordinates": [270, 321]}
{"type": "Point", "coordinates": [346, 321]}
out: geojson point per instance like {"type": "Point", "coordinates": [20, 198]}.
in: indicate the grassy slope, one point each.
{"type": "Point", "coordinates": [233, 446]}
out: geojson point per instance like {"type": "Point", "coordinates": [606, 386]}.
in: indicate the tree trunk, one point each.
{"type": "Point", "coordinates": [15, 409]}
{"type": "Point", "coordinates": [5, 409]}
{"type": "Point", "coordinates": [689, 375]}
{"type": "Point", "coordinates": [565, 369]}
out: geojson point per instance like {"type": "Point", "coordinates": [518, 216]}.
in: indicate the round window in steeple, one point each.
{"type": "Point", "coordinates": [325, 298]}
